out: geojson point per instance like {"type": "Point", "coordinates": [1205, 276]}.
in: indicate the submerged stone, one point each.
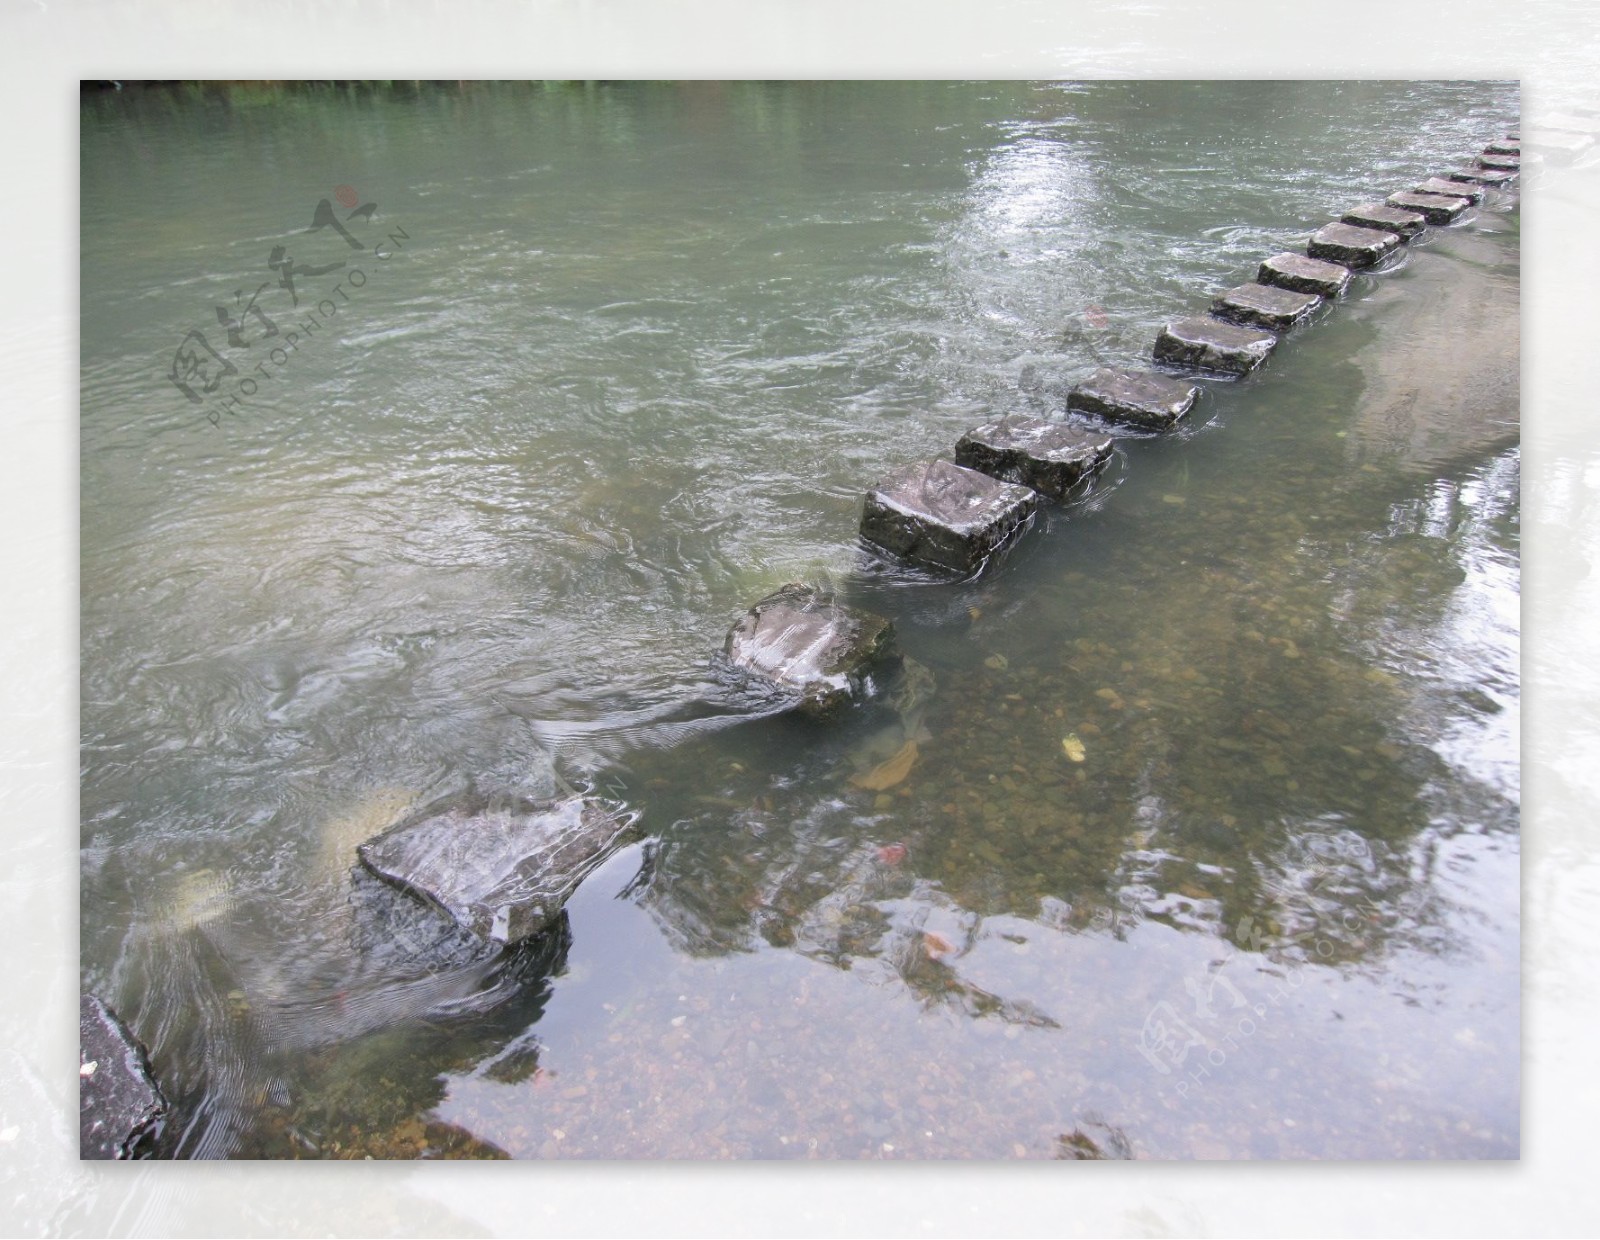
{"type": "Point", "coordinates": [1380, 215]}
{"type": "Point", "coordinates": [1304, 275]}
{"type": "Point", "coordinates": [1450, 189]}
{"type": "Point", "coordinates": [944, 515]}
{"type": "Point", "coordinates": [120, 1106]}
{"type": "Point", "coordinates": [1352, 246]}
{"type": "Point", "coordinates": [800, 641]}
{"type": "Point", "coordinates": [1048, 456]}
{"type": "Point", "coordinates": [1210, 344]}
{"type": "Point", "coordinates": [502, 874]}
{"type": "Point", "coordinates": [1134, 397]}
{"type": "Point", "coordinates": [1435, 208]}
{"type": "Point", "coordinates": [1264, 305]}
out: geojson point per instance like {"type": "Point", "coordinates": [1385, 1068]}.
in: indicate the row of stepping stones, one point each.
{"type": "Point", "coordinates": [952, 516]}
{"type": "Point", "coordinates": [504, 873]}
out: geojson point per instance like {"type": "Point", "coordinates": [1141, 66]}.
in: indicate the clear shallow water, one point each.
{"type": "Point", "coordinates": [631, 365]}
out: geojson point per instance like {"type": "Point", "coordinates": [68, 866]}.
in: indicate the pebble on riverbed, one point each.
{"type": "Point", "coordinates": [1047, 456]}
{"type": "Point", "coordinates": [799, 640]}
{"type": "Point", "coordinates": [944, 515]}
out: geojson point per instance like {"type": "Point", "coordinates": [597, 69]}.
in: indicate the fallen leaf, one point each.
{"type": "Point", "coordinates": [936, 945]}
{"type": "Point", "coordinates": [1073, 747]}
{"type": "Point", "coordinates": [888, 774]}
{"type": "Point", "coordinates": [892, 854]}
{"type": "Point", "coordinates": [997, 662]}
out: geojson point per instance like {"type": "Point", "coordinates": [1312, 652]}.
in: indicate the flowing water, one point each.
{"type": "Point", "coordinates": [1208, 845]}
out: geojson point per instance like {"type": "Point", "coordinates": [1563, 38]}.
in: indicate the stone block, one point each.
{"type": "Point", "coordinates": [1380, 215]}
{"type": "Point", "coordinates": [1304, 275]}
{"type": "Point", "coordinates": [1050, 457]}
{"type": "Point", "coordinates": [1264, 305]}
{"type": "Point", "coordinates": [1435, 208]}
{"type": "Point", "coordinates": [1134, 397]}
{"type": "Point", "coordinates": [1205, 343]}
{"type": "Point", "coordinates": [800, 641]}
{"type": "Point", "coordinates": [120, 1106]}
{"type": "Point", "coordinates": [1482, 176]}
{"type": "Point", "coordinates": [945, 516]}
{"type": "Point", "coordinates": [1500, 163]}
{"type": "Point", "coordinates": [502, 874]}
{"type": "Point", "coordinates": [1450, 189]}
{"type": "Point", "coordinates": [1352, 246]}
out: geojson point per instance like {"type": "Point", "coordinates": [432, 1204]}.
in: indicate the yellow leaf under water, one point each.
{"type": "Point", "coordinates": [888, 774]}
{"type": "Point", "coordinates": [1073, 747]}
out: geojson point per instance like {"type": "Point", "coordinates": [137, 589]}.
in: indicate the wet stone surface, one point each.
{"type": "Point", "coordinates": [1047, 456]}
{"type": "Point", "coordinates": [1435, 208]}
{"type": "Point", "coordinates": [1210, 344]}
{"type": "Point", "coordinates": [1135, 397]}
{"type": "Point", "coordinates": [1500, 163]}
{"type": "Point", "coordinates": [1482, 176]}
{"type": "Point", "coordinates": [1505, 146]}
{"type": "Point", "coordinates": [944, 516]}
{"type": "Point", "coordinates": [120, 1106]}
{"type": "Point", "coordinates": [1265, 306]}
{"type": "Point", "coordinates": [1352, 246]}
{"type": "Point", "coordinates": [1392, 219]}
{"type": "Point", "coordinates": [1304, 275]}
{"type": "Point", "coordinates": [503, 874]}
{"type": "Point", "coordinates": [799, 640]}
{"type": "Point", "coordinates": [1450, 189]}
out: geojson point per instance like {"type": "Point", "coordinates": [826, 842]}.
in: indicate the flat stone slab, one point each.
{"type": "Point", "coordinates": [501, 874]}
{"type": "Point", "coordinates": [1135, 397]}
{"type": "Point", "coordinates": [1304, 275]}
{"type": "Point", "coordinates": [1506, 146]}
{"type": "Point", "coordinates": [1047, 456]}
{"type": "Point", "coordinates": [944, 515]}
{"type": "Point", "coordinates": [120, 1106]}
{"type": "Point", "coordinates": [1264, 305]}
{"type": "Point", "coordinates": [1435, 208]}
{"type": "Point", "coordinates": [1501, 163]}
{"type": "Point", "coordinates": [1352, 246]}
{"type": "Point", "coordinates": [1211, 344]}
{"type": "Point", "coordinates": [800, 641]}
{"type": "Point", "coordinates": [1450, 189]}
{"type": "Point", "coordinates": [1380, 215]}
{"type": "Point", "coordinates": [1482, 176]}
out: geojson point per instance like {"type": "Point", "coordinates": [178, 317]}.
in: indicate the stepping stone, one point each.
{"type": "Point", "coordinates": [120, 1106]}
{"type": "Point", "coordinates": [1435, 208]}
{"type": "Point", "coordinates": [945, 516]}
{"type": "Point", "coordinates": [501, 874]}
{"type": "Point", "coordinates": [1304, 275]}
{"type": "Point", "coordinates": [1501, 163]}
{"type": "Point", "coordinates": [1506, 146]}
{"type": "Point", "coordinates": [1264, 305]}
{"type": "Point", "coordinates": [1136, 397]}
{"type": "Point", "coordinates": [1391, 219]}
{"type": "Point", "coordinates": [1352, 246]}
{"type": "Point", "coordinates": [1210, 344]}
{"type": "Point", "coordinates": [1048, 456]}
{"type": "Point", "coordinates": [802, 642]}
{"type": "Point", "coordinates": [1450, 189]}
{"type": "Point", "coordinates": [1482, 176]}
